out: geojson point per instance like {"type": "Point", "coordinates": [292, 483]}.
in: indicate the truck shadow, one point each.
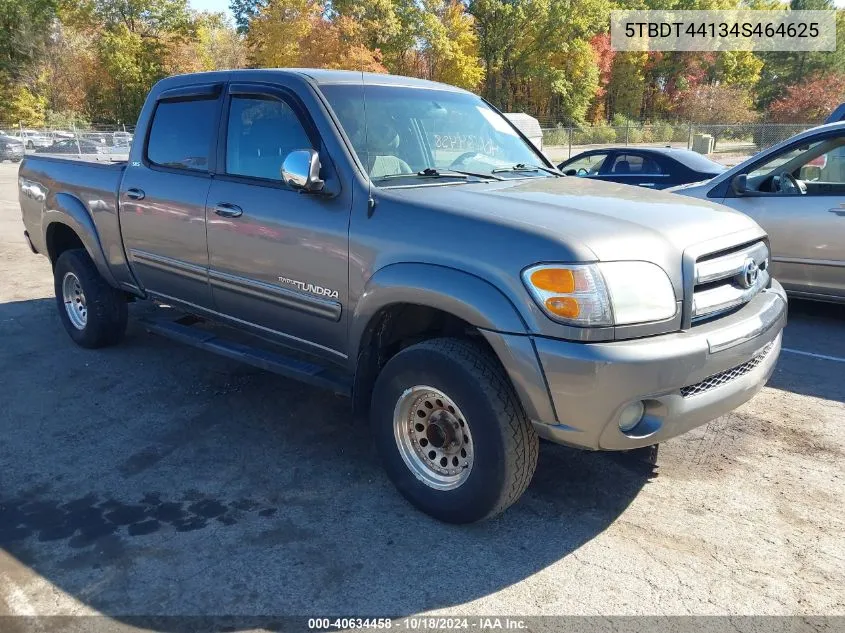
{"type": "Point", "coordinates": [153, 479]}
{"type": "Point", "coordinates": [815, 328]}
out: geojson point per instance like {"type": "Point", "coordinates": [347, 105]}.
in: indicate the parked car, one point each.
{"type": "Point", "coordinates": [796, 191]}
{"type": "Point", "coordinates": [101, 138]}
{"type": "Point", "coordinates": [72, 146]}
{"type": "Point", "coordinates": [653, 167]}
{"type": "Point", "coordinates": [11, 149]}
{"type": "Point", "coordinates": [122, 139]}
{"type": "Point", "coordinates": [837, 115]}
{"type": "Point", "coordinates": [460, 290]}
{"type": "Point", "coordinates": [33, 138]}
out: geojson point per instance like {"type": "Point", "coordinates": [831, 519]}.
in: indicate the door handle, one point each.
{"type": "Point", "coordinates": [226, 210]}
{"type": "Point", "coordinates": [135, 194]}
{"type": "Point", "coordinates": [838, 211]}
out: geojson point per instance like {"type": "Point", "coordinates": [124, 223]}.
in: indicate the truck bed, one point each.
{"type": "Point", "coordinates": [87, 190]}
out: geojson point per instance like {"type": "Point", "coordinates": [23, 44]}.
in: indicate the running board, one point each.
{"type": "Point", "coordinates": [286, 366]}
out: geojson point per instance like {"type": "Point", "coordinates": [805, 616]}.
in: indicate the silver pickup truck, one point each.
{"type": "Point", "coordinates": [399, 241]}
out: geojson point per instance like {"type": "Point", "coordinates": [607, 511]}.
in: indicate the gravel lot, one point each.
{"type": "Point", "coordinates": [155, 479]}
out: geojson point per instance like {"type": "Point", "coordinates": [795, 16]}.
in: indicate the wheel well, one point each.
{"type": "Point", "coordinates": [396, 327]}
{"type": "Point", "coordinates": [60, 238]}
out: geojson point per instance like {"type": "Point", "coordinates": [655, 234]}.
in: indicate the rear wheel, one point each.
{"type": "Point", "coordinates": [93, 313]}
{"type": "Point", "coordinates": [451, 432]}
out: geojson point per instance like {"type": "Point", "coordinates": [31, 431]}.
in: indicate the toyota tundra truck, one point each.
{"type": "Point", "coordinates": [400, 242]}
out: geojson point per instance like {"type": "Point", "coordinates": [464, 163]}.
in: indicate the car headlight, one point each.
{"type": "Point", "coordinates": [603, 294]}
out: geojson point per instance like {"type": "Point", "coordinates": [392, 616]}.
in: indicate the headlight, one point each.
{"type": "Point", "coordinates": [608, 293]}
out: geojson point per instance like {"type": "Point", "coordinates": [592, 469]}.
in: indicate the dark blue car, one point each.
{"type": "Point", "coordinates": [653, 167]}
{"type": "Point", "coordinates": [837, 115]}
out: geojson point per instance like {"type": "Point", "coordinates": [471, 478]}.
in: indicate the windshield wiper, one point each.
{"type": "Point", "coordinates": [431, 172]}
{"type": "Point", "coordinates": [523, 168]}
{"type": "Point", "coordinates": [489, 176]}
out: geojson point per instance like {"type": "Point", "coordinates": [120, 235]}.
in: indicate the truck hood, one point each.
{"type": "Point", "coordinates": [596, 220]}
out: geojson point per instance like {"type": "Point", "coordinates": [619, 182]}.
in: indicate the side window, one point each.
{"type": "Point", "coordinates": [181, 134]}
{"type": "Point", "coordinates": [820, 165]}
{"type": "Point", "coordinates": [827, 168]}
{"type": "Point", "coordinates": [586, 166]}
{"type": "Point", "coordinates": [635, 164]}
{"type": "Point", "coordinates": [779, 162]}
{"type": "Point", "coordinates": [262, 132]}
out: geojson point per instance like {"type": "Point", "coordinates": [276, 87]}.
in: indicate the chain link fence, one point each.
{"type": "Point", "coordinates": [96, 141]}
{"type": "Point", "coordinates": [730, 144]}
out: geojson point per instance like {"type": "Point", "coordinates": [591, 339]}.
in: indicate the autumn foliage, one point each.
{"type": "Point", "coordinates": [810, 100]}
{"type": "Point", "coordinates": [95, 60]}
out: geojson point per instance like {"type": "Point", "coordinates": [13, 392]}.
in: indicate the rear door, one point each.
{"type": "Point", "coordinates": [163, 196]}
{"type": "Point", "coordinates": [278, 258]}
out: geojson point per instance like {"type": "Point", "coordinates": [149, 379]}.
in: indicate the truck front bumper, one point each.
{"type": "Point", "coordinates": [683, 379]}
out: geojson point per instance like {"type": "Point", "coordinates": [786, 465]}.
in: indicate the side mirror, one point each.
{"type": "Point", "coordinates": [571, 172]}
{"type": "Point", "coordinates": [739, 184]}
{"type": "Point", "coordinates": [301, 171]}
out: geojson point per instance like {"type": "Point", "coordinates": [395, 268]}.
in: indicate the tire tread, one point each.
{"type": "Point", "coordinates": [107, 309]}
{"type": "Point", "coordinates": [521, 441]}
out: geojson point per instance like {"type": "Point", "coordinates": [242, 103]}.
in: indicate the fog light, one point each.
{"type": "Point", "coordinates": [631, 416]}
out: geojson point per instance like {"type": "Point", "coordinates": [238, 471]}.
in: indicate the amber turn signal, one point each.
{"type": "Point", "coordinates": [566, 307]}
{"type": "Point", "coordinates": [554, 280]}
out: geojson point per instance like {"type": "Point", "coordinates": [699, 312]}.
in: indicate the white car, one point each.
{"type": "Point", "coordinates": [122, 139]}
{"type": "Point", "coordinates": [33, 138]}
{"type": "Point", "coordinates": [796, 191]}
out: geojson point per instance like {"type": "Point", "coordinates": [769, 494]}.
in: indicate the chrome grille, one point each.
{"type": "Point", "coordinates": [724, 377]}
{"type": "Point", "coordinates": [727, 279]}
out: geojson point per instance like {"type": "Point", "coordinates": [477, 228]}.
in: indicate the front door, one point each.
{"type": "Point", "coordinates": [586, 166]}
{"type": "Point", "coordinates": [163, 198]}
{"type": "Point", "coordinates": [278, 259]}
{"type": "Point", "coordinates": [798, 197]}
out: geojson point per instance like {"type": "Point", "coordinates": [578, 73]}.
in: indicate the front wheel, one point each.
{"type": "Point", "coordinates": [451, 431]}
{"type": "Point", "coordinates": [93, 313]}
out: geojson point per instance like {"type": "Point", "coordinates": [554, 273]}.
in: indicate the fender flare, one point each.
{"type": "Point", "coordinates": [71, 212]}
{"type": "Point", "coordinates": [467, 297]}
{"type": "Point", "coordinates": [461, 294]}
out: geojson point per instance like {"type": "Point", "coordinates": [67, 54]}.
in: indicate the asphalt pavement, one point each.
{"type": "Point", "coordinates": [155, 479]}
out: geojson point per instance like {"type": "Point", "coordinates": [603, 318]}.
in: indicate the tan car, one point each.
{"type": "Point", "coordinates": [796, 192]}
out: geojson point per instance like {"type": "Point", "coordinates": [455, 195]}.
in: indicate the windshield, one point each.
{"type": "Point", "coordinates": [410, 130]}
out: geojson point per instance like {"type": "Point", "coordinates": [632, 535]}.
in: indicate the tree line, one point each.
{"type": "Point", "coordinates": [65, 62]}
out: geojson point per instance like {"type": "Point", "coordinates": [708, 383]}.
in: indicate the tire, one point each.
{"type": "Point", "coordinates": [502, 444]}
{"type": "Point", "coordinates": [105, 309]}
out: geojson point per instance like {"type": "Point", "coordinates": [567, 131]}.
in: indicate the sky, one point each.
{"type": "Point", "coordinates": [223, 5]}
{"type": "Point", "coordinates": [219, 6]}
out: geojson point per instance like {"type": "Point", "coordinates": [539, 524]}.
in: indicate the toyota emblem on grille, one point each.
{"type": "Point", "coordinates": [748, 277]}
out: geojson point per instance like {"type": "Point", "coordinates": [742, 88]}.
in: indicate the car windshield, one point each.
{"type": "Point", "coordinates": [411, 133]}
